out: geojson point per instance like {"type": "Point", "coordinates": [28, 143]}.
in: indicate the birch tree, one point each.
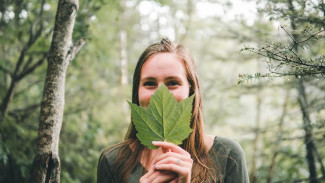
{"type": "Point", "coordinates": [46, 164]}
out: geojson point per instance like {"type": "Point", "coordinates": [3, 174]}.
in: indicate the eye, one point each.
{"type": "Point", "coordinates": [172, 83]}
{"type": "Point", "coordinates": [149, 83]}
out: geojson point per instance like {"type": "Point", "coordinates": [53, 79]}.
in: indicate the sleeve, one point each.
{"type": "Point", "coordinates": [236, 168]}
{"type": "Point", "coordinates": [104, 170]}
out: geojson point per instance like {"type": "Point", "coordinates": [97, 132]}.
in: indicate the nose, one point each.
{"type": "Point", "coordinates": [159, 84]}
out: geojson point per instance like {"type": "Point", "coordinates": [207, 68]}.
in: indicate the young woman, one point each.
{"type": "Point", "coordinates": [201, 157]}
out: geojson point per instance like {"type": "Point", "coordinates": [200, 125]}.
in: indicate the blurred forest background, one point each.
{"type": "Point", "coordinates": [261, 66]}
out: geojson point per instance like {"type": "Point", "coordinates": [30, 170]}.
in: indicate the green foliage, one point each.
{"type": "Point", "coordinates": [294, 53]}
{"type": "Point", "coordinates": [95, 116]}
{"type": "Point", "coordinates": [20, 22]}
{"type": "Point", "coordinates": [16, 150]}
{"type": "Point", "coordinates": [164, 119]}
{"type": "Point", "coordinates": [284, 60]}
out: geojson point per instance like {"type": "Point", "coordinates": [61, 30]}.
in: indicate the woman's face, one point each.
{"type": "Point", "coordinates": [164, 68]}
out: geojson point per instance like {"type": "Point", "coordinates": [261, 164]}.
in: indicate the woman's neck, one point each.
{"type": "Point", "coordinates": [148, 157]}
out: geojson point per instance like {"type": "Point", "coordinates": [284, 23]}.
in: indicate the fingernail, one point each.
{"type": "Point", "coordinates": [155, 142]}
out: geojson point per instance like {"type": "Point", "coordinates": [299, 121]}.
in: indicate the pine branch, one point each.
{"type": "Point", "coordinates": [280, 56]}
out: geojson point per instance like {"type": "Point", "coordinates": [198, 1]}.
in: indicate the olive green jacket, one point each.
{"type": "Point", "coordinates": [226, 154]}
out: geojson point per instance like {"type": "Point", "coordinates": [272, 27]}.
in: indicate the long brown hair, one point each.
{"type": "Point", "coordinates": [202, 166]}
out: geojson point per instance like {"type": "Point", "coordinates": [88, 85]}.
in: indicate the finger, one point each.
{"type": "Point", "coordinates": [161, 176]}
{"type": "Point", "coordinates": [148, 174]}
{"type": "Point", "coordinates": [166, 150]}
{"type": "Point", "coordinates": [174, 160]}
{"type": "Point", "coordinates": [181, 171]}
{"type": "Point", "coordinates": [174, 180]}
{"type": "Point", "coordinates": [171, 146]}
{"type": "Point", "coordinates": [172, 157]}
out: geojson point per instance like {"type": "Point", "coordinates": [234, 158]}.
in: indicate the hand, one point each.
{"type": "Point", "coordinates": [177, 161]}
{"type": "Point", "coordinates": [156, 176]}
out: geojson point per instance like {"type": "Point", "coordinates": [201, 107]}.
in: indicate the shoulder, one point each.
{"type": "Point", "coordinates": [107, 158]}
{"type": "Point", "coordinates": [228, 146]}
{"type": "Point", "coordinates": [105, 169]}
{"type": "Point", "coordinates": [227, 152]}
{"type": "Point", "coordinates": [109, 155]}
{"type": "Point", "coordinates": [231, 156]}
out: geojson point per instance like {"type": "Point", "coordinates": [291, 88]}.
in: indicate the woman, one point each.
{"type": "Point", "coordinates": [201, 157]}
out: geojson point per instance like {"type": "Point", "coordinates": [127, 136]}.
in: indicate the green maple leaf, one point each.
{"type": "Point", "coordinates": [164, 119]}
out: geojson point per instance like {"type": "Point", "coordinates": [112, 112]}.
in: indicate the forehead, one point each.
{"type": "Point", "coordinates": [163, 63]}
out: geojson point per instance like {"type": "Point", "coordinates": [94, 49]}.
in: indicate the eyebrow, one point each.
{"type": "Point", "coordinates": [147, 79]}
{"type": "Point", "coordinates": [173, 77]}
{"type": "Point", "coordinates": [153, 78]}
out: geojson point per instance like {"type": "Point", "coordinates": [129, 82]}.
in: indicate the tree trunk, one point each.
{"type": "Point", "coordinates": [252, 176]}
{"type": "Point", "coordinates": [279, 138]}
{"type": "Point", "coordinates": [320, 161]}
{"type": "Point", "coordinates": [189, 13]}
{"type": "Point", "coordinates": [309, 143]}
{"type": "Point", "coordinates": [124, 61]}
{"type": "Point", "coordinates": [123, 45]}
{"type": "Point", "coordinates": [46, 164]}
{"type": "Point", "coordinates": [6, 100]}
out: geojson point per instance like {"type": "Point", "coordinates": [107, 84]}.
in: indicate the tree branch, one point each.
{"type": "Point", "coordinates": [28, 62]}
{"type": "Point", "coordinates": [283, 58]}
{"type": "Point", "coordinates": [32, 68]}
{"type": "Point", "coordinates": [311, 36]}
{"type": "Point", "coordinates": [30, 84]}
{"type": "Point", "coordinates": [5, 70]}
{"type": "Point", "coordinates": [23, 112]}
{"type": "Point", "coordinates": [31, 40]}
{"type": "Point", "coordinates": [75, 49]}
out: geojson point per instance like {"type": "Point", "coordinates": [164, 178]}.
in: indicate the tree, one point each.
{"type": "Point", "coordinates": [307, 29]}
{"type": "Point", "coordinates": [123, 44]}
{"type": "Point", "coordinates": [276, 149]}
{"type": "Point", "coordinates": [292, 60]}
{"type": "Point", "coordinates": [25, 63]}
{"type": "Point", "coordinates": [46, 165]}
{"type": "Point", "coordinates": [24, 33]}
